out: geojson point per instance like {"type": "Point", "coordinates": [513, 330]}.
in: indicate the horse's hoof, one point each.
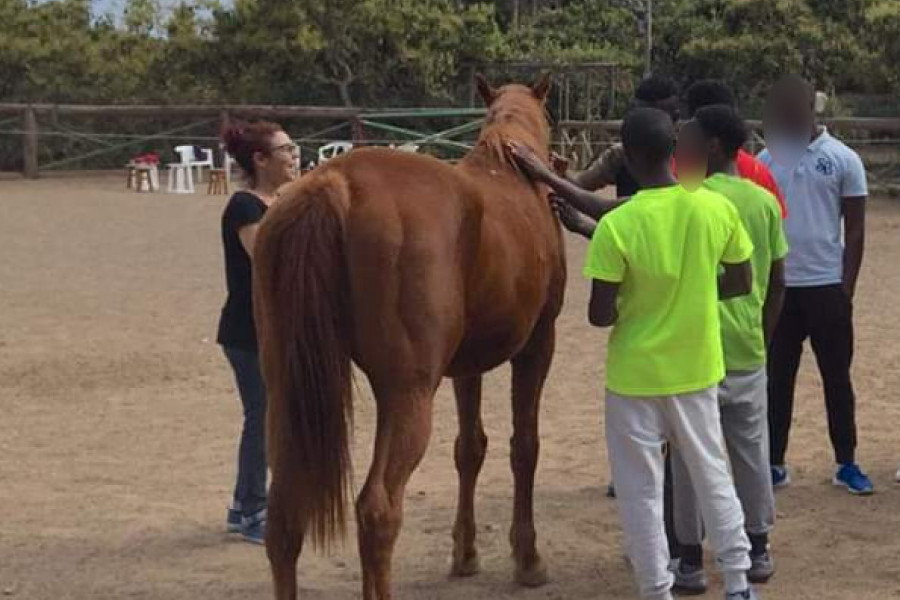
{"type": "Point", "coordinates": [466, 567]}
{"type": "Point", "coordinates": [532, 577]}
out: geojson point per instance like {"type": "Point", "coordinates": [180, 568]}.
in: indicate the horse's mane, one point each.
{"type": "Point", "coordinates": [515, 116]}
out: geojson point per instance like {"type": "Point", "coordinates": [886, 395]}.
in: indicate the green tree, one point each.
{"type": "Point", "coordinates": [142, 17]}
{"type": "Point", "coordinates": [591, 30]}
{"type": "Point", "coordinates": [16, 49]}
{"type": "Point", "coordinates": [749, 43]}
{"type": "Point", "coordinates": [883, 24]}
{"type": "Point", "coordinates": [378, 52]}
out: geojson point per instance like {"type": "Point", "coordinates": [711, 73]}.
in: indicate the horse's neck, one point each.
{"type": "Point", "coordinates": [491, 153]}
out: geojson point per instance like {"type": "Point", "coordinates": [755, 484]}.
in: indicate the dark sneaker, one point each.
{"type": "Point", "coordinates": [748, 594]}
{"type": "Point", "coordinates": [762, 567]}
{"type": "Point", "coordinates": [233, 521]}
{"type": "Point", "coordinates": [781, 478]}
{"type": "Point", "coordinates": [611, 490]}
{"type": "Point", "coordinates": [690, 580]}
{"type": "Point", "coordinates": [851, 477]}
{"type": "Point", "coordinates": [253, 528]}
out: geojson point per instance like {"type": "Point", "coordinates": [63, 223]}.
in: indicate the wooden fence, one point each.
{"type": "Point", "coordinates": [355, 118]}
{"type": "Point", "coordinates": [877, 139]}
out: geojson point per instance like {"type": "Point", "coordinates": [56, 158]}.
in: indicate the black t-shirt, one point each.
{"type": "Point", "coordinates": [236, 326]}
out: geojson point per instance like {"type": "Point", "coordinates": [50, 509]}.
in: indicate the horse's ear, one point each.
{"type": "Point", "coordinates": [541, 87]}
{"type": "Point", "coordinates": [485, 90]}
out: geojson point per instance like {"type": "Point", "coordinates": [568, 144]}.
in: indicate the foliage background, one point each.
{"type": "Point", "coordinates": [417, 52]}
{"type": "Point", "coordinates": [393, 52]}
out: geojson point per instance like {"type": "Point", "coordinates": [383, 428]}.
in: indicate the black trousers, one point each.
{"type": "Point", "coordinates": [669, 509]}
{"type": "Point", "coordinates": [825, 316]}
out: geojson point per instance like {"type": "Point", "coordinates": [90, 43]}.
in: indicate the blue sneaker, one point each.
{"type": "Point", "coordinates": [233, 520]}
{"type": "Point", "coordinates": [851, 477]}
{"type": "Point", "coordinates": [781, 478]}
{"type": "Point", "coordinates": [748, 594]}
{"type": "Point", "coordinates": [253, 528]}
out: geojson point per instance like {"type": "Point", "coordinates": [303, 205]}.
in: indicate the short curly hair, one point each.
{"type": "Point", "coordinates": [656, 88]}
{"type": "Point", "coordinates": [722, 122]}
{"type": "Point", "coordinates": [707, 92]}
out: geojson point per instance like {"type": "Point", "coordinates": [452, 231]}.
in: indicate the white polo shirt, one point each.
{"type": "Point", "coordinates": [828, 172]}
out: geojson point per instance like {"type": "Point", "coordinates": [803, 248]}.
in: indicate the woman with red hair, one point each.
{"type": "Point", "coordinates": [266, 154]}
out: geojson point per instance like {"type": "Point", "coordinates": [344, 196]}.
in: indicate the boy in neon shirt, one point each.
{"type": "Point", "coordinates": [654, 268]}
{"type": "Point", "coordinates": [707, 151]}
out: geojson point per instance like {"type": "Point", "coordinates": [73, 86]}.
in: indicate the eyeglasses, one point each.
{"type": "Point", "coordinates": [291, 147]}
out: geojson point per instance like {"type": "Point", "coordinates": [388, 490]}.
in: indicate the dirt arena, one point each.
{"type": "Point", "coordinates": [120, 419]}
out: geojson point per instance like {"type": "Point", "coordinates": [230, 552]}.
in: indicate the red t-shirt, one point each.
{"type": "Point", "coordinates": [750, 168]}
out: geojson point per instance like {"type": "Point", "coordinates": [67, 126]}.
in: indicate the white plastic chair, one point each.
{"type": "Point", "coordinates": [298, 163]}
{"type": "Point", "coordinates": [154, 176]}
{"type": "Point", "coordinates": [188, 157]}
{"type": "Point", "coordinates": [227, 163]}
{"type": "Point", "coordinates": [181, 179]}
{"type": "Point", "coordinates": [329, 151]}
{"type": "Point", "coordinates": [185, 153]}
{"type": "Point", "coordinates": [206, 162]}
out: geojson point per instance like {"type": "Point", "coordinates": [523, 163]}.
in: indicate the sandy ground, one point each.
{"type": "Point", "coordinates": [120, 420]}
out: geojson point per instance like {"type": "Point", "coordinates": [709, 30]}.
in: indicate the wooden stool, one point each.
{"type": "Point", "coordinates": [130, 170]}
{"type": "Point", "coordinates": [142, 174]}
{"type": "Point", "coordinates": [218, 184]}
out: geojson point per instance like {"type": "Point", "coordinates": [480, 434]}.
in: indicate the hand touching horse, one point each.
{"type": "Point", "coordinates": [415, 270]}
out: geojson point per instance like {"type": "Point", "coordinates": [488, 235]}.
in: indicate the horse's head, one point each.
{"type": "Point", "coordinates": [515, 113]}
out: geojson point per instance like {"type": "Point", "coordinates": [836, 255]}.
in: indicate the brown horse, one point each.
{"type": "Point", "coordinates": [415, 270]}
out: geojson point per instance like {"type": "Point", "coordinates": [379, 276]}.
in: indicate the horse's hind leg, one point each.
{"type": "Point", "coordinates": [529, 371]}
{"type": "Point", "coordinates": [471, 447]}
{"type": "Point", "coordinates": [404, 426]}
{"type": "Point", "coordinates": [284, 535]}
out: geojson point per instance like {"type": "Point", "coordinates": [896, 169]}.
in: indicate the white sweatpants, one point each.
{"type": "Point", "coordinates": [743, 407]}
{"type": "Point", "coordinates": [636, 429]}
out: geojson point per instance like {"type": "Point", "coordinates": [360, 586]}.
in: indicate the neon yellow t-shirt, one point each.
{"type": "Point", "coordinates": [664, 247]}
{"type": "Point", "coordinates": [743, 338]}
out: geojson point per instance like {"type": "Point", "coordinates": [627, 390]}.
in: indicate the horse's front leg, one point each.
{"type": "Point", "coordinates": [529, 371]}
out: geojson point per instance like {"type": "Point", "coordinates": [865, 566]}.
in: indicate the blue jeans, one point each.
{"type": "Point", "coordinates": [250, 489]}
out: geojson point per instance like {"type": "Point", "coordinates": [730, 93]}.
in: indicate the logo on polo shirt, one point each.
{"type": "Point", "coordinates": [825, 166]}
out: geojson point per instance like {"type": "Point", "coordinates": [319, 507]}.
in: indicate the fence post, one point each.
{"type": "Point", "coordinates": [357, 132]}
{"type": "Point", "coordinates": [30, 144]}
{"type": "Point", "coordinates": [224, 125]}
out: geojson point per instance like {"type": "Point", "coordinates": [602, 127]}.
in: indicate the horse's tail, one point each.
{"type": "Point", "coordinates": [304, 326]}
